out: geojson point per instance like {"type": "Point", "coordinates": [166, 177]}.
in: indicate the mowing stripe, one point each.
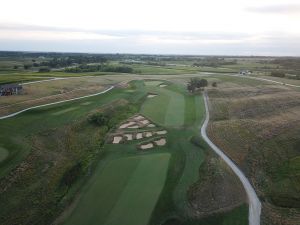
{"type": "Point", "coordinates": [124, 192]}
{"type": "Point", "coordinates": [175, 113]}
{"type": "Point", "coordinates": [138, 199]}
{"type": "Point", "coordinates": [190, 110]}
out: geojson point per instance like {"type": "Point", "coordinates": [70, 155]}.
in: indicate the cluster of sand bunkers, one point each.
{"type": "Point", "coordinates": [138, 128]}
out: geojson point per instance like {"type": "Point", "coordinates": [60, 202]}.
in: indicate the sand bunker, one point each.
{"type": "Point", "coordinates": [151, 96]}
{"type": "Point", "coordinates": [148, 134]}
{"type": "Point", "coordinates": [138, 118]}
{"type": "Point", "coordinates": [117, 139]}
{"type": "Point", "coordinates": [139, 135]}
{"type": "Point", "coordinates": [161, 132]}
{"type": "Point", "coordinates": [147, 146]}
{"type": "Point", "coordinates": [128, 136]}
{"type": "Point", "coordinates": [144, 122]}
{"type": "Point", "coordinates": [161, 142]}
{"type": "Point", "coordinates": [125, 125]}
{"type": "Point", "coordinates": [163, 85]}
{"type": "Point", "coordinates": [133, 127]}
{"type": "Point", "coordinates": [151, 125]}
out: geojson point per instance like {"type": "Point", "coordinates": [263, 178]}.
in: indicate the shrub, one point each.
{"type": "Point", "coordinates": [71, 175]}
{"type": "Point", "coordinates": [277, 74]}
{"type": "Point", "coordinates": [100, 119]}
{"type": "Point", "coordinates": [44, 69]}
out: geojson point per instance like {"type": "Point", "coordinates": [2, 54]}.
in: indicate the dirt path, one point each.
{"type": "Point", "coordinates": [254, 203]}
{"type": "Point", "coordinates": [54, 103]}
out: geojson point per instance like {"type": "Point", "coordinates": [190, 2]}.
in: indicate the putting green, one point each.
{"type": "Point", "coordinates": [124, 192]}
{"type": "Point", "coordinates": [3, 154]}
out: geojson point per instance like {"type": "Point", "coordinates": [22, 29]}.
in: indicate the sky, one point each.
{"type": "Point", "coordinates": [193, 27]}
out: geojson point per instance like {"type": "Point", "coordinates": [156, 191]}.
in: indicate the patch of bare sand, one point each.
{"type": "Point", "coordinates": [128, 136]}
{"type": "Point", "coordinates": [117, 139]}
{"type": "Point", "coordinates": [148, 134]}
{"type": "Point", "coordinates": [151, 96]}
{"type": "Point", "coordinates": [144, 122]}
{"type": "Point", "coordinates": [147, 146]}
{"type": "Point", "coordinates": [161, 142]}
{"type": "Point", "coordinates": [161, 132]}
{"type": "Point", "coordinates": [138, 117]}
{"type": "Point", "coordinates": [133, 127]}
{"type": "Point", "coordinates": [125, 125]}
{"type": "Point", "coordinates": [139, 135]}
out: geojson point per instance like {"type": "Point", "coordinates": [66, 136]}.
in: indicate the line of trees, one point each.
{"type": "Point", "coordinates": [99, 68]}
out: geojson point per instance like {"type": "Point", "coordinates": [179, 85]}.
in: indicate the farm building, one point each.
{"type": "Point", "coordinates": [245, 72]}
{"type": "Point", "coordinates": [10, 89]}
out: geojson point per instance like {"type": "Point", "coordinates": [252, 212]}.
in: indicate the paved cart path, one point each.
{"type": "Point", "coordinates": [253, 200]}
{"type": "Point", "coordinates": [54, 103]}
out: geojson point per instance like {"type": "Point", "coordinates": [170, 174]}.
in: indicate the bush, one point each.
{"type": "Point", "coordinates": [277, 74]}
{"type": "Point", "coordinates": [214, 84]}
{"type": "Point", "coordinates": [100, 119]}
{"type": "Point", "coordinates": [44, 69]}
{"type": "Point", "coordinates": [71, 175]}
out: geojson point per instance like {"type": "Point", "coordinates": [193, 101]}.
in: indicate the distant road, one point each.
{"type": "Point", "coordinates": [263, 79]}
{"type": "Point", "coordinates": [54, 103]}
{"type": "Point", "coordinates": [253, 200]}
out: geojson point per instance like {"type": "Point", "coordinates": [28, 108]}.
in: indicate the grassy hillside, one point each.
{"type": "Point", "coordinates": [258, 127]}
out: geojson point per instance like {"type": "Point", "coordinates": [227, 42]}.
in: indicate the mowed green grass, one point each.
{"type": "Point", "coordinates": [124, 192]}
{"type": "Point", "coordinates": [168, 108]}
{"type": "Point", "coordinates": [173, 106]}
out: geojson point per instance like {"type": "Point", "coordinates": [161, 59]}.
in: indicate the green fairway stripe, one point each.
{"type": "Point", "coordinates": [105, 188]}
{"type": "Point", "coordinates": [138, 199]}
{"type": "Point", "coordinates": [124, 192]}
{"type": "Point", "coordinates": [167, 108]}
{"type": "Point", "coordinates": [156, 108]}
{"type": "Point", "coordinates": [175, 112]}
{"type": "Point", "coordinates": [190, 110]}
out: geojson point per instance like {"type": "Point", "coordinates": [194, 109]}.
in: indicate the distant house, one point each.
{"type": "Point", "coordinates": [10, 89]}
{"type": "Point", "coordinates": [245, 72]}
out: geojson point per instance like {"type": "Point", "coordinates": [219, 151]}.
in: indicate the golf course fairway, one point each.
{"type": "Point", "coordinates": [124, 192]}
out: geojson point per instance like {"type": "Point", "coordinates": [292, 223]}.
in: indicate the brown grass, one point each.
{"type": "Point", "coordinates": [259, 127]}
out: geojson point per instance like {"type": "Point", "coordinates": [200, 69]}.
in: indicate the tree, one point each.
{"type": "Point", "coordinates": [277, 74]}
{"type": "Point", "coordinates": [196, 83]}
{"type": "Point", "coordinates": [214, 84]}
{"type": "Point", "coordinates": [27, 66]}
{"type": "Point", "coordinates": [203, 83]}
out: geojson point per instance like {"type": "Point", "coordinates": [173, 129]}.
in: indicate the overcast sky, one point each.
{"type": "Point", "coordinates": [224, 27]}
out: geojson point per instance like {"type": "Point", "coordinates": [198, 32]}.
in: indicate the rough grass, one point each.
{"type": "Point", "coordinates": [3, 154]}
{"type": "Point", "coordinates": [49, 146]}
{"type": "Point", "coordinates": [258, 128]}
{"type": "Point", "coordinates": [33, 121]}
